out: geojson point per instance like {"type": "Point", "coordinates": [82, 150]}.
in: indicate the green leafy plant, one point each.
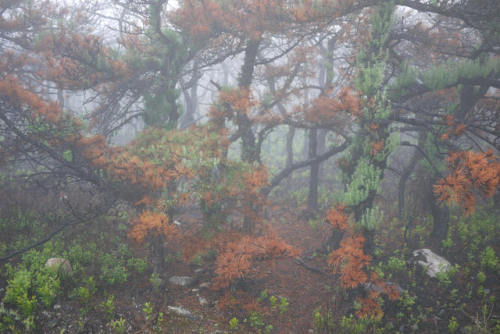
{"type": "Point", "coordinates": [283, 305]}
{"type": "Point", "coordinates": [396, 264]}
{"type": "Point", "coordinates": [108, 306]}
{"type": "Point", "coordinates": [136, 264]}
{"type": "Point", "coordinates": [47, 286]}
{"type": "Point", "coordinates": [443, 278]}
{"type": "Point", "coordinates": [273, 300]}
{"type": "Point", "coordinates": [148, 310]}
{"type": "Point", "coordinates": [233, 323]}
{"type": "Point", "coordinates": [156, 281]}
{"type": "Point", "coordinates": [269, 328]}
{"type": "Point", "coordinates": [262, 296]}
{"type": "Point", "coordinates": [256, 320]}
{"type": "Point", "coordinates": [481, 277]}
{"type": "Point", "coordinates": [160, 320]}
{"type": "Point", "coordinates": [86, 292]}
{"type": "Point", "coordinates": [8, 319]}
{"type": "Point", "coordinates": [453, 325]}
{"type": "Point", "coordinates": [321, 322]}
{"type": "Point", "coordinates": [79, 256]}
{"type": "Point", "coordinates": [18, 293]}
{"type": "Point", "coordinates": [489, 259]}
{"type": "Point", "coordinates": [112, 270]}
{"type": "Point", "coordinates": [118, 326]}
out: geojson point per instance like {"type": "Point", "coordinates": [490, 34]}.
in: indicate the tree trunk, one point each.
{"type": "Point", "coordinates": [321, 149]}
{"type": "Point", "coordinates": [440, 217]}
{"type": "Point", "coordinates": [406, 173]}
{"type": "Point", "coordinates": [191, 98]}
{"type": "Point", "coordinates": [289, 154]}
{"type": "Point", "coordinates": [157, 254]}
{"type": "Point", "coordinates": [312, 201]}
{"type": "Point", "coordinates": [248, 146]}
{"type": "Point", "coordinates": [249, 152]}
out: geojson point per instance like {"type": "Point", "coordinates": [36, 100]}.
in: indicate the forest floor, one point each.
{"type": "Point", "coordinates": [304, 289]}
{"type": "Point", "coordinates": [107, 293]}
{"type": "Point", "coordinates": [281, 300]}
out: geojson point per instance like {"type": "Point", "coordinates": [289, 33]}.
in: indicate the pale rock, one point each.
{"type": "Point", "coordinates": [432, 263]}
{"type": "Point", "coordinates": [204, 285]}
{"type": "Point", "coordinates": [182, 311]}
{"type": "Point", "coordinates": [181, 280]}
{"type": "Point", "coordinates": [59, 263]}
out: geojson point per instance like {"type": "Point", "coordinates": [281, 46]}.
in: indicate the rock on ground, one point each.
{"type": "Point", "coordinates": [182, 311]}
{"type": "Point", "coordinates": [431, 262]}
{"type": "Point", "coordinates": [59, 263]}
{"type": "Point", "coordinates": [181, 280]}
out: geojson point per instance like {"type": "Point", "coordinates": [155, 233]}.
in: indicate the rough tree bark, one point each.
{"type": "Point", "coordinates": [312, 200]}
{"type": "Point", "coordinates": [248, 143]}
{"type": "Point", "coordinates": [289, 154]}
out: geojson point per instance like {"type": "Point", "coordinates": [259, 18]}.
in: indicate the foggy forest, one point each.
{"type": "Point", "coordinates": [250, 166]}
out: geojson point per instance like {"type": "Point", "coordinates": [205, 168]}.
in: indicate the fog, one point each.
{"type": "Point", "coordinates": [218, 166]}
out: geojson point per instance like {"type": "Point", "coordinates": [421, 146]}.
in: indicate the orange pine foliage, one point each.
{"type": "Point", "coordinates": [325, 108]}
{"type": "Point", "coordinates": [376, 147]}
{"type": "Point", "coordinates": [152, 222]}
{"type": "Point", "coordinates": [13, 93]}
{"type": "Point", "coordinates": [231, 102]}
{"type": "Point", "coordinates": [256, 179]}
{"type": "Point", "coordinates": [237, 259]}
{"type": "Point", "coordinates": [239, 99]}
{"type": "Point", "coordinates": [239, 302]}
{"type": "Point", "coordinates": [453, 128]}
{"type": "Point", "coordinates": [369, 307]}
{"type": "Point", "coordinates": [61, 54]}
{"type": "Point", "coordinates": [470, 172]}
{"type": "Point", "coordinates": [147, 201]}
{"type": "Point", "coordinates": [392, 292]}
{"type": "Point", "coordinates": [350, 260]}
{"type": "Point", "coordinates": [373, 127]}
{"type": "Point", "coordinates": [249, 18]}
{"type": "Point", "coordinates": [391, 289]}
{"type": "Point", "coordinates": [338, 218]}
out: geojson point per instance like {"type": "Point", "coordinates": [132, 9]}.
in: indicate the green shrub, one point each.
{"type": "Point", "coordinates": [47, 286]}
{"type": "Point", "coordinates": [136, 264]}
{"type": "Point", "coordinates": [256, 320]}
{"type": "Point", "coordinates": [283, 305]}
{"type": "Point", "coordinates": [273, 300]}
{"type": "Point", "coordinates": [8, 319]}
{"type": "Point", "coordinates": [233, 324]}
{"type": "Point", "coordinates": [78, 256]}
{"type": "Point", "coordinates": [321, 322]}
{"type": "Point", "coordinates": [112, 270]}
{"type": "Point", "coordinates": [263, 296]}
{"type": "Point", "coordinates": [489, 259]}
{"type": "Point", "coordinates": [118, 326]}
{"type": "Point", "coordinates": [148, 310]}
{"type": "Point", "coordinates": [453, 325]}
{"type": "Point", "coordinates": [86, 292]}
{"type": "Point", "coordinates": [18, 292]}
{"type": "Point", "coordinates": [156, 281]}
{"type": "Point", "coordinates": [108, 307]}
